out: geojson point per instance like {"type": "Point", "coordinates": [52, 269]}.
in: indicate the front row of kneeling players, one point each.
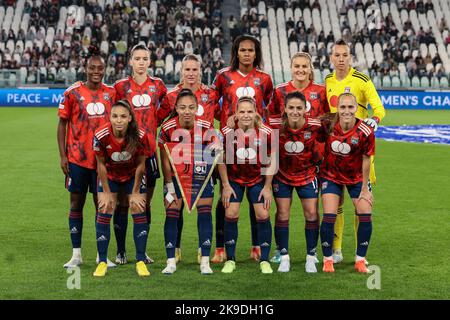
{"type": "Point", "coordinates": [342, 143]}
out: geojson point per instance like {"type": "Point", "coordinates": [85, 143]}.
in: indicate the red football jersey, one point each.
{"type": "Point", "coordinates": [206, 98]}
{"type": "Point", "coordinates": [145, 100]}
{"type": "Point", "coordinates": [315, 94]}
{"type": "Point", "coordinates": [244, 153]}
{"type": "Point", "coordinates": [297, 161]}
{"type": "Point", "coordinates": [344, 153]}
{"type": "Point", "coordinates": [232, 84]}
{"type": "Point", "coordinates": [120, 164]}
{"type": "Point", "coordinates": [85, 110]}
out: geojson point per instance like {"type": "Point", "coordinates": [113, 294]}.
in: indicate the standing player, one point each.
{"type": "Point", "coordinates": [247, 150]}
{"type": "Point", "coordinates": [297, 170]}
{"type": "Point", "coordinates": [120, 152]}
{"type": "Point", "coordinates": [243, 77]}
{"type": "Point", "coordinates": [185, 128]}
{"type": "Point", "coordinates": [85, 107]}
{"type": "Point", "coordinates": [316, 105]}
{"type": "Point", "coordinates": [144, 93]}
{"type": "Point", "coordinates": [191, 75]}
{"type": "Point", "coordinates": [302, 81]}
{"type": "Point", "coordinates": [347, 79]}
{"type": "Point", "coordinates": [348, 148]}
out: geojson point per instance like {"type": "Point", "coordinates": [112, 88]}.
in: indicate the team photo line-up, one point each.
{"type": "Point", "coordinates": [314, 138]}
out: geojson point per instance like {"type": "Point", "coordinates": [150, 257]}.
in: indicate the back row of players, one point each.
{"type": "Point", "coordinates": [107, 143]}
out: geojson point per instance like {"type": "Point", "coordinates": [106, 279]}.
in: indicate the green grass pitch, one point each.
{"type": "Point", "coordinates": [410, 242]}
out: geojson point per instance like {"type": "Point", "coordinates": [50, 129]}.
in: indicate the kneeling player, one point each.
{"type": "Point", "coordinates": [298, 135]}
{"type": "Point", "coordinates": [120, 151]}
{"type": "Point", "coordinates": [348, 148]}
{"type": "Point", "coordinates": [244, 169]}
{"type": "Point", "coordinates": [185, 128]}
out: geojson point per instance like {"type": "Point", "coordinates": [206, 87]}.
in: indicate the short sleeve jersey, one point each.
{"type": "Point", "coordinates": [344, 152]}
{"type": "Point", "coordinates": [297, 164]}
{"type": "Point", "coordinates": [120, 164]}
{"type": "Point", "coordinates": [144, 99]}
{"type": "Point", "coordinates": [315, 94]}
{"type": "Point", "coordinates": [248, 153]}
{"type": "Point", "coordinates": [85, 110]}
{"type": "Point", "coordinates": [232, 84]}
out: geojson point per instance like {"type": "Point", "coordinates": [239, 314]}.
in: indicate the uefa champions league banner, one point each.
{"type": "Point", "coordinates": [421, 100]}
{"type": "Point", "coordinates": [398, 99]}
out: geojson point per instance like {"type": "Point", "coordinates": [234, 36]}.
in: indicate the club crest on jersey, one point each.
{"type": "Point", "coordinates": [204, 98]}
{"type": "Point", "coordinates": [347, 89]}
{"type": "Point", "coordinates": [257, 81]}
{"type": "Point", "coordinates": [313, 95]}
{"type": "Point", "coordinates": [355, 140]}
{"type": "Point", "coordinates": [307, 135]}
{"type": "Point", "coordinates": [152, 88]}
{"type": "Point", "coordinates": [200, 167]}
{"type": "Point", "coordinates": [106, 96]}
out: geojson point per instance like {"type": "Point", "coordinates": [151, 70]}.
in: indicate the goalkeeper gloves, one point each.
{"type": "Point", "coordinates": [371, 122]}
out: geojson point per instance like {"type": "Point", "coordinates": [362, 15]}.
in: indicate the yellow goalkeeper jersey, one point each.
{"type": "Point", "coordinates": [361, 86]}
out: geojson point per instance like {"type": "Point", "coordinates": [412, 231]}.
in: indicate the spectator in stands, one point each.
{"type": "Point", "coordinates": [254, 30]}
{"type": "Point", "coordinates": [302, 36]}
{"type": "Point", "coordinates": [420, 7]}
{"type": "Point", "coordinates": [330, 37]}
{"type": "Point", "coordinates": [443, 25]}
{"type": "Point", "coordinates": [402, 6]}
{"type": "Point", "coordinates": [359, 5]}
{"type": "Point", "coordinates": [350, 4]}
{"type": "Point", "coordinates": [440, 73]}
{"type": "Point", "coordinates": [429, 6]}
{"type": "Point", "coordinates": [436, 59]}
{"type": "Point", "coordinates": [11, 36]}
{"type": "Point", "coordinates": [292, 36]}
{"type": "Point", "coordinates": [263, 23]}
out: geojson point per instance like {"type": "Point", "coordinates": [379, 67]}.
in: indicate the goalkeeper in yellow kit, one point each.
{"type": "Point", "coordinates": [347, 79]}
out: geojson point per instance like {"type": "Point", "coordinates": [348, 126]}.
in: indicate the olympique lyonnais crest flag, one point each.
{"type": "Point", "coordinates": [193, 165]}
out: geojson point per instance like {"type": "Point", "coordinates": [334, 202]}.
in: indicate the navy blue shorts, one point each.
{"type": "Point", "coordinates": [126, 187]}
{"type": "Point", "coordinates": [252, 192]}
{"type": "Point", "coordinates": [81, 179]}
{"type": "Point", "coordinates": [328, 186]}
{"type": "Point", "coordinates": [208, 192]}
{"type": "Point", "coordinates": [283, 190]}
{"type": "Point", "coordinates": [152, 171]}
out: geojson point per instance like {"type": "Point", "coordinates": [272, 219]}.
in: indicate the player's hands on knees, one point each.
{"type": "Point", "coordinates": [227, 193]}
{"type": "Point", "coordinates": [366, 195]}
{"type": "Point", "coordinates": [266, 194]}
{"type": "Point", "coordinates": [65, 165]}
{"type": "Point", "coordinates": [106, 202]}
{"type": "Point", "coordinates": [137, 202]}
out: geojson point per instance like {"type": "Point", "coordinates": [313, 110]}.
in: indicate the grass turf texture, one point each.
{"type": "Point", "coordinates": [409, 243]}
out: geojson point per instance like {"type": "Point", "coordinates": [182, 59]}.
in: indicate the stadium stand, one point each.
{"type": "Point", "coordinates": [398, 43]}
{"type": "Point", "coordinates": [47, 41]}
